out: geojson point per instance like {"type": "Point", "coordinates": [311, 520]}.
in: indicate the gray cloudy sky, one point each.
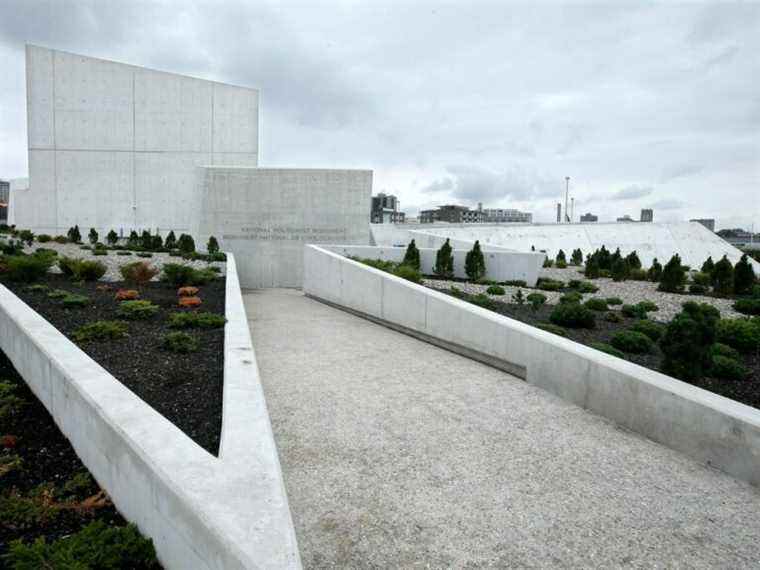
{"type": "Point", "coordinates": [642, 105]}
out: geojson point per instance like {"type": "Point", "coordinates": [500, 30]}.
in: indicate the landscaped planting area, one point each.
{"type": "Point", "coordinates": [701, 326]}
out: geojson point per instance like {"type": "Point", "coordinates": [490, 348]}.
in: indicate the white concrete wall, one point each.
{"type": "Point", "coordinates": [500, 265]}
{"type": "Point", "coordinates": [265, 215]}
{"type": "Point", "coordinates": [709, 428]}
{"type": "Point", "coordinates": [201, 511]}
{"type": "Point", "coordinates": [115, 146]}
{"type": "Point", "coordinates": [691, 240]}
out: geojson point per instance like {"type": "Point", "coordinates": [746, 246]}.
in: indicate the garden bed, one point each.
{"type": "Point", "coordinates": [746, 391]}
{"type": "Point", "coordinates": [184, 388]}
{"type": "Point", "coordinates": [45, 490]}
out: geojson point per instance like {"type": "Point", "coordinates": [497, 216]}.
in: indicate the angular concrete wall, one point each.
{"type": "Point", "coordinates": [692, 241]}
{"type": "Point", "coordinates": [265, 215]}
{"type": "Point", "coordinates": [712, 429]}
{"type": "Point", "coordinates": [116, 146]}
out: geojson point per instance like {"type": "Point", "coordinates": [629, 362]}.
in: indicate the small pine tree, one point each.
{"type": "Point", "coordinates": [186, 244]}
{"type": "Point", "coordinates": [655, 271]}
{"type": "Point", "coordinates": [518, 298]}
{"type": "Point", "coordinates": [157, 243]}
{"type": "Point", "coordinates": [633, 260]}
{"type": "Point", "coordinates": [146, 240]}
{"type": "Point", "coordinates": [708, 266]}
{"type": "Point", "coordinates": [171, 241]}
{"type": "Point", "coordinates": [687, 339]}
{"type": "Point", "coordinates": [212, 246]}
{"type": "Point", "coordinates": [604, 258]}
{"type": "Point", "coordinates": [620, 269]}
{"type": "Point", "coordinates": [93, 236]}
{"type": "Point", "coordinates": [592, 267]}
{"type": "Point", "coordinates": [133, 240]}
{"type": "Point", "coordinates": [112, 238]}
{"type": "Point", "coordinates": [412, 256]}
{"type": "Point", "coordinates": [723, 277]}
{"type": "Point", "coordinates": [673, 276]}
{"type": "Point", "coordinates": [577, 257]}
{"type": "Point", "coordinates": [744, 276]}
{"type": "Point", "coordinates": [475, 263]}
{"type": "Point", "coordinates": [74, 235]}
{"type": "Point", "coordinates": [560, 257]}
{"type": "Point", "coordinates": [444, 261]}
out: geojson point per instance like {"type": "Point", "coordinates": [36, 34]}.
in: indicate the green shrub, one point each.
{"type": "Point", "coordinates": [614, 301]}
{"type": "Point", "coordinates": [100, 330]}
{"type": "Point", "coordinates": [74, 301]}
{"type": "Point", "coordinates": [727, 368]}
{"type": "Point", "coordinates": [633, 261]}
{"type": "Point", "coordinates": [58, 294]}
{"type": "Point", "coordinates": [687, 339]}
{"type": "Point", "coordinates": [457, 292]}
{"type": "Point", "coordinates": [554, 329]}
{"type": "Point", "coordinates": [609, 349]}
{"type": "Point", "coordinates": [587, 287]}
{"type": "Point", "coordinates": [85, 247]}
{"type": "Point", "coordinates": [408, 273]}
{"type": "Point", "coordinates": [45, 251]}
{"type": "Point", "coordinates": [673, 276]}
{"type": "Point", "coordinates": [748, 306]}
{"type": "Point", "coordinates": [697, 289]}
{"type": "Point", "coordinates": [123, 253]}
{"type": "Point", "coordinates": [112, 238]}
{"type": "Point", "coordinates": [481, 300]}
{"type": "Point", "coordinates": [592, 270]}
{"type": "Point", "coordinates": [444, 261]}
{"type": "Point", "coordinates": [180, 275]}
{"type": "Point", "coordinates": [720, 349]}
{"type": "Point", "coordinates": [633, 311]}
{"type": "Point", "coordinates": [560, 264]}
{"type": "Point", "coordinates": [27, 268]}
{"type": "Point", "coordinates": [516, 283]}
{"type": "Point", "coordinates": [638, 274]}
{"type": "Point", "coordinates": [571, 297]}
{"type": "Point", "coordinates": [11, 247]}
{"type": "Point", "coordinates": [61, 239]}
{"type": "Point", "coordinates": [412, 256]}
{"type": "Point", "coordinates": [572, 315]}
{"type": "Point", "coordinates": [741, 334]}
{"type": "Point", "coordinates": [648, 306]}
{"type": "Point", "coordinates": [157, 244]}
{"type": "Point", "coordinates": [213, 245]}
{"type": "Point", "coordinates": [496, 290]}
{"type": "Point", "coordinates": [652, 330]}
{"type": "Point", "coordinates": [203, 320]}
{"type": "Point", "coordinates": [620, 270]}
{"type": "Point", "coordinates": [548, 262]}
{"type": "Point", "coordinates": [605, 273]}
{"type": "Point", "coordinates": [180, 342]}
{"type": "Point", "coordinates": [577, 257]}
{"type": "Point", "coordinates": [723, 277]}
{"type": "Point", "coordinates": [26, 236]}
{"type": "Point", "coordinates": [708, 266]}
{"type": "Point", "coordinates": [93, 236]}
{"type": "Point", "coordinates": [536, 300]}
{"type": "Point", "coordinates": [44, 238]}
{"type": "Point", "coordinates": [701, 278]}
{"type": "Point", "coordinates": [137, 310]}
{"type": "Point", "coordinates": [186, 244]}
{"type": "Point", "coordinates": [744, 276]}
{"type": "Point", "coordinates": [144, 254]}
{"type": "Point", "coordinates": [613, 317]}
{"type": "Point", "coordinates": [95, 546]}
{"type": "Point", "coordinates": [596, 304]}
{"type": "Point", "coordinates": [475, 263]}
{"type": "Point", "coordinates": [74, 235]}
{"type": "Point", "coordinates": [518, 298]}
{"type": "Point", "coordinates": [632, 341]}
{"type": "Point", "coordinates": [170, 242]}
{"type": "Point", "coordinates": [36, 288]}
{"type": "Point", "coordinates": [100, 252]}
{"type": "Point", "coordinates": [561, 257]}
{"type": "Point", "coordinates": [550, 284]}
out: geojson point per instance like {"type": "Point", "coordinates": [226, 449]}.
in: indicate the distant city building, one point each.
{"type": "Point", "coordinates": [5, 191]}
{"type": "Point", "coordinates": [626, 218]}
{"type": "Point", "coordinates": [647, 215]}
{"type": "Point", "coordinates": [589, 217]}
{"type": "Point", "coordinates": [709, 223]}
{"type": "Point", "coordinates": [384, 210]}
{"type": "Point", "coordinates": [463, 215]}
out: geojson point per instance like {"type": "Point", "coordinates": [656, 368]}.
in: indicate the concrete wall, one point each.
{"type": "Point", "coordinates": [709, 428]}
{"type": "Point", "coordinates": [500, 265]}
{"type": "Point", "coordinates": [265, 215]}
{"type": "Point", "coordinates": [691, 240]}
{"type": "Point", "coordinates": [116, 146]}
{"type": "Point", "coordinates": [201, 511]}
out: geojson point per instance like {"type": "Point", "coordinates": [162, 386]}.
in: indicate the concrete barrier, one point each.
{"type": "Point", "coordinates": [501, 264]}
{"type": "Point", "coordinates": [201, 511]}
{"type": "Point", "coordinates": [711, 429]}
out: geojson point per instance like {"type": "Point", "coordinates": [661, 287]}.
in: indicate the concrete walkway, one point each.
{"type": "Point", "coordinates": [398, 454]}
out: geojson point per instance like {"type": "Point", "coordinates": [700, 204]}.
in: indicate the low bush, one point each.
{"type": "Point", "coordinates": [58, 294]}
{"type": "Point", "coordinates": [178, 275]}
{"type": "Point", "coordinates": [747, 306]}
{"type": "Point", "coordinates": [11, 247]}
{"type": "Point", "coordinates": [605, 273]}
{"type": "Point", "coordinates": [39, 288]}
{"type": "Point", "coordinates": [61, 239]}
{"type": "Point", "coordinates": [45, 251]}
{"type": "Point", "coordinates": [596, 304]}
{"type": "Point", "coordinates": [518, 298]}
{"type": "Point", "coordinates": [561, 264]}
{"type": "Point", "coordinates": [144, 254]}
{"type": "Point", "coordinates": [189, 302]}
{"type": "Point", "coordinates": [138, 272]}
{"type": "Point", "coordinates": [572, 315]}
{"type": "Point", "coordinates": [554, 329]}
{"type": "Point", "coordinates": [100, 330]}
{"type": "Point", "coordinates": [457, 292]}
{"type": "Point", "coordinates": [571, 297]}
{"type": "Point", "coordinates": [648, 306]}
{"type": "Point", "coordinates": [614, 301]}
{"type": "Point", "coordinates": [550, 284]}
{"type": "Point", "coordinates": [75, 301]}
{"type": "Point", "coordinates": [100, 252]}
{"type": "Point", "coordinates": [632, 341]}
{"type": "Point", "coordinates": [406, 272]}
{"type": "Point", "coordinates": [85, 247]}
{"type": "Point", "coordinates": [123, 253]}
{"type": "Point", "coordinates": [727, 368]}
{"type": "Point", "coordinates": [201, 320]}
{"type": "Point", "coordinates": [481, 300]}
{"type": "Point", "coordinates": [613, 317]}
{"type": "Point", "coordinates": [27, 268]}
{"type": "Point", "coordinates": [26, 236]}
{"type": "Point", "coordinates": [587, 287]}
{"type": "Point", "coordinates": [686, 341]}
{"type": "Point", "coordinates": [609, 349]}
{"type": "Point", "coordinates": [633, 311]}
{"type": "Point", "coordinates": [697, 289]}
{"type": "Point", "coordinates": [720, 349]}
{"type": "Point", "coordinates": [81, 269]}
{"type": "Point", "coordinates": [180, 342]}
{"type": "Point", "coordinates": [548, 262]}
{"type": "Point", "coordinates": [44, 238]}
{"type": "Point", "coordinates": [516, 283]}
{"type": "Point", "coordinates": [701, 278]}
{"type": "Point", "coordinates": [536, 300]}
{"type": "Point", "coordinates": [638, 275]}
{"type": "Point", "coordinates": [137, 310]}
{"type": "Point", "coordinates": [653, 330]}
{"type": "Point", "coordinates": [496, 290]}
{"type": "Point", "coordinates": [127, 295]}
{"type": "Point", "coordinates": [187, 291]}
{"type": "Point", "coordinates": [741, 334]}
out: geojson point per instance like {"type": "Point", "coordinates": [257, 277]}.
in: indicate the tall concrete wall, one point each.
{"type": "Point", "coordinates": [116, 146]}
{"type": "Point", "coordinates": [691, 240]}
{"type": "Point", "coordinates": [265, 215]}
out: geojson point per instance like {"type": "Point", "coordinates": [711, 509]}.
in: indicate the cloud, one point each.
{"type": "Point", "coordinates": [633, 192]}
{"type": "Point", "coordinates": [668, 204]}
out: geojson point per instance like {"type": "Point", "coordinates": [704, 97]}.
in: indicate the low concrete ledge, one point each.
{"type": "Point", "coordinates": [201, 511]}
{"type": "Point", "coordinates": [501, 264]}
{"type": "Point", "coordinates": [711, 429]}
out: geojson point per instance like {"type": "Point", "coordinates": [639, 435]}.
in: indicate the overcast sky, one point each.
{"type": "Point", "coordinates": [642, 105]}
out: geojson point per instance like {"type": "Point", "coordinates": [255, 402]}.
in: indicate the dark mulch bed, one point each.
{"type": "Point", "coordinates": [184, 388]}
{"type": "Point", "coordinates": [47, 458]}
{"type": "Point", "coordinates": [746, 391]}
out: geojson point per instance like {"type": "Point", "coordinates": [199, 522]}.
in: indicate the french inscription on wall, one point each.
{"type": "Point", "coordinates": [285, 233]}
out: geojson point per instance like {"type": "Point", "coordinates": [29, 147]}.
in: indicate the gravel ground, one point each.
{"type": "Point", "coordinates": [113, 261]}
{"type": "Point", "coordinates": [631, 292]}
{"type": "Point", "coordinates": [398, 454]}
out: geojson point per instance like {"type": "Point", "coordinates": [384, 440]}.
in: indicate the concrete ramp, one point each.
{"type": "Point", "coordinates": [399, 454]}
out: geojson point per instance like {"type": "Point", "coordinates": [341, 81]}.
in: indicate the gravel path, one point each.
{"type": "Point", "coordinates": [631, 292]}
{"type": "Point", "coordinates": [113, 261]}
{"type": "Point", "coordinates": [399, 454]}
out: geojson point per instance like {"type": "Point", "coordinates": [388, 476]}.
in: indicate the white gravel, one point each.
{"type": "Point", "coordinates": [631, 292]}
{"type": "Point", "coordinates": [113, 261]}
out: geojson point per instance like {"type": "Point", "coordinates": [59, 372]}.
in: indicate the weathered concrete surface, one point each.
{"type": "Point", "coordinates": [399, 454]}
